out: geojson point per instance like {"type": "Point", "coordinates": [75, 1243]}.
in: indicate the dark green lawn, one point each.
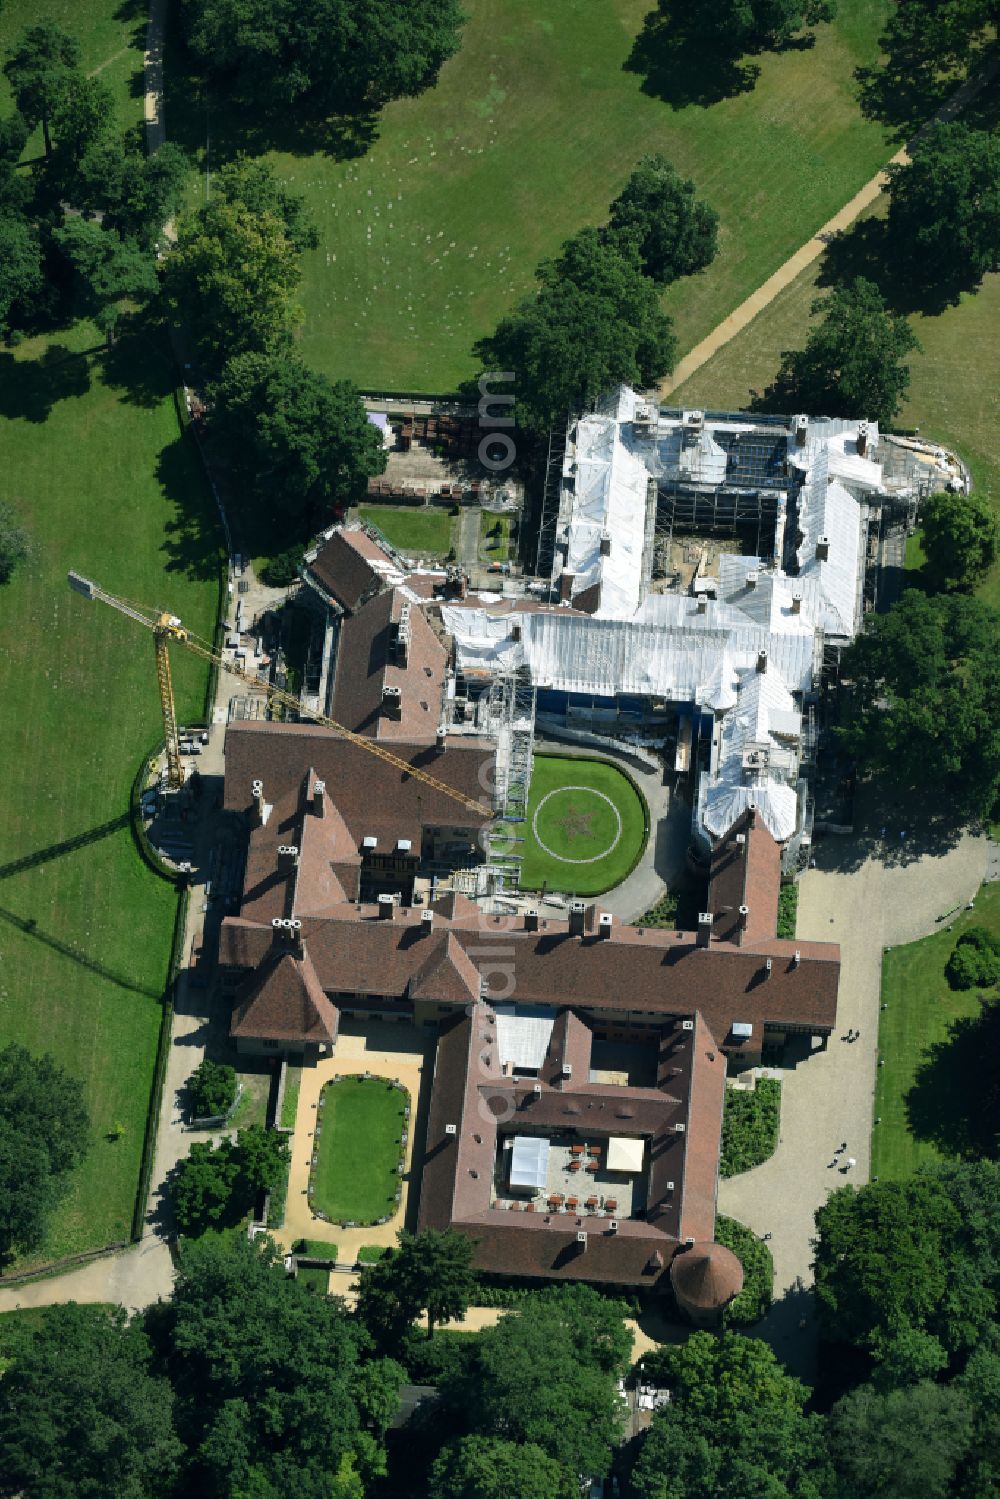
{"type": "Point", "coordinates": [589, 845]}
{"type": "Point", "coordinates": [412, 529]}
{"type": "Point", "coordinates": [916, 1124]}
{"type": "Point", "coordinates": [355, 1177]}
{"type": "Point", "coordinates": [95, 465]}
{"type": "Point", "coordinates": [434, 231]}
{"type": "Point", "coordinates": [111, 35]}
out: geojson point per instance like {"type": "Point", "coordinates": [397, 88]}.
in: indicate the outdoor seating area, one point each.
{"type": "Point", "coordinates": [562, 1174]}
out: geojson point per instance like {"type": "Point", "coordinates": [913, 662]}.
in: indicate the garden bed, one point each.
{"type": "Point", "coordinates": [750, 1123]}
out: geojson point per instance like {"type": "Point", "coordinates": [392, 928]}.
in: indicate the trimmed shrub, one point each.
{"type": "Point", "coordinates": [750, 1126]}
{"type": "Point", "coordinates": [753, 1254]}
{"type": "Point", "coordinates": [788, 907]}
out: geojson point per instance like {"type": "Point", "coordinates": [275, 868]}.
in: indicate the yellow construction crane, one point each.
{"type": "Point", "coordinates": [167, 628]}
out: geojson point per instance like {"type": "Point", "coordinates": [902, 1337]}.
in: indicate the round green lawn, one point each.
{"type": "Point", "coordinates": [360, 1127]}
{"type": "Point", "coordinates": [585, 829]}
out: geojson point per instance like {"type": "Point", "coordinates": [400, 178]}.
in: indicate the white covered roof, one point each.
{"type": "Point", "coordinates": [606, 490]}
{"type": "Point", "coordinates": [765, 724]}
{"type": "Point", "coordinates": [523, 1035]}
{"type": "Point", "coordinates": [625, 1154]}
{"type": "Point", "coordinates": [529, 1161]}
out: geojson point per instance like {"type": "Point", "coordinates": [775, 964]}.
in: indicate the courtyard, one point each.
{"type": "Point", "coordinates": [361, 1133]}
{"type": "Point", "coordinates": [585, 828]}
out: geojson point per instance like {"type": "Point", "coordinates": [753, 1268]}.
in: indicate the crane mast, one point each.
{"type": "Point", "coordinates": [166, 627]}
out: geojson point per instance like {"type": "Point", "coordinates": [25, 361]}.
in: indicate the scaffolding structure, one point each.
{"type": "Point", "coordinates": [506, 714]}
{"type": "Point", "coordinates": [551, 497]}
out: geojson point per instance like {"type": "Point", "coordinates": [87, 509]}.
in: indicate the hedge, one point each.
{"type": "Point", "coordinates": [750, 1124]}
{"type": "Point", "coordinates": [788, 909]}
{"type": "Point", "coordinates": [753, 1254]}
{"type": "Point", "coordinates": [370, 1254]}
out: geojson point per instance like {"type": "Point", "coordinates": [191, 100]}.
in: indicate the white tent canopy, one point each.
{"type": "Point", "coordinates": [529, 1161]}
{"type": "Point", "coordinates": [625, 1154]}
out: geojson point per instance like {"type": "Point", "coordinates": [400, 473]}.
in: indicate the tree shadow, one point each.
{"type": "Point", "coordinates": [867, 249]}
{"type": "Point", "coordinates": [681, 66]}
{"type": "Point", "coordinates": [139, 363]}
{"type": "Point", "coordinates": [29, 388]}
{"type": "Point", "coordinates": [914, 78]}
{"type": "Point", "coordinates": [953, 1101]}
{"type": "Point", "coordinates": [191, 539]}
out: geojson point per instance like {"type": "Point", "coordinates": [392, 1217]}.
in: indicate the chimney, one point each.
{"type": "Point", "coordinates": [318, 797]}
{"type": "Point", "coordinates": [702, 603]}
{"type": "Point", "coordinates": [403, 636]}
{"type": "Point", "coordinates": [392, 702]}
{"type": "Point", "coordinates": [278, 931]}
{"type": "Point", "coordinates": [762, 661]}
{"type": "Point", "coordinates": [604, 924]}
{"type": "Point", "coordinates": [426, 922]}
{"type": "Point", "coordinates": [531, 920]}
{"type": "Point", "coordinates": [801, 431]}
{"type": "Point", "coordinates": [796, 603]}
{"type": "Point", "coordinates": [293, 929]}
{"type": "Point", "coordinates": [823, 549]}
{"type": "Point", "coordinates": [752, 577]}
{"type": "Point", "coordinates": [605, 543]}
{"type": "Point", "coordinates": [862, 439]}
{"type": "Point", "coordinates": [288, 857]}
{"type": "Point", "coordinates": [768, 967]}
{"type": "Point", "coordinates": [704, 928]}
{"type": "Point", "coordinates": [797, 958]}
{"type": "Point", "coordinates": [577, 912]}
{"type": "Point", "coordinates": [566, 581]}
{"type": "Point", "coordinates": [752, 813]}
{"type": "Point", "coordinates": [257, 803]}
{"type": "Point", "coordinates": [515, 630]}
{"type": "Point", "coordinates": [741, 839]}
{"type": "Point", "coordinates": [441, 741]}
{"type": "Point", "coordinates": [386, 906]}
{"type": "Point", "coordinates": [744, 913]}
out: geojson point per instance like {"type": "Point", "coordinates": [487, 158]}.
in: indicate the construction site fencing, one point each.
{"type": "Point", "coordinates": [150, 856]}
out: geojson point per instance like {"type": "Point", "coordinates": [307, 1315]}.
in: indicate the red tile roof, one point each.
{"type": "Point", "coordinates": [707, 1275]}
{"type": "Point", "coordinates": [368, 661]}
{"type": "Point", "coordinates": [283, 1001]}
{"type": "Point", "coordinates": [350, 567]}
{"type": "Point", "coordinates": [745, 873]}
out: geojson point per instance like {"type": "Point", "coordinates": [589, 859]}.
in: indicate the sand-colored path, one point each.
{"type": "Point", "coordinates": [814, 247]}
{"type": "Point", "coordinates": [395, 1051]}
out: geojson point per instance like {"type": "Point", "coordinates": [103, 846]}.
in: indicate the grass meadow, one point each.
{"type": "Point", "coordinates": [95, 467]}
{"type": "Point", "coordinates": [921, 1009]}
{"type": "Point", "coordinates": [433, 232]}
{"type": "Point", "coordinates": [423, 531]}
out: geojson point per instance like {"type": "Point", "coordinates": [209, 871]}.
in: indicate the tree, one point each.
{"type": "Point", "coordinates": [530, 1381]}
{"type": "Point", "coordinates": [43, 1135]}
{"type": "Point", "coordinates": [432, 1271]}
{"type": "Point", "coordinates": [296, 438]}
{"type": "Point", "coordinates": [231, 275]}
{"type": "Point", "coordinates": [594, 323]}
{"type": "Point", "coordinates": [20, 266]}
{"type": "Point", "coordinates": [15, 545]}
{"type": "Point", "coordinates": [204, 1189]}
{"type": "Point", "coordinates": [252, 184]}
{"type": "Point", "coordinates": [961, 540]}
{"type": "Point", "coordinates": [489, 1468]}
{"type": "Point", "coordinates": [756, 25]}
{"type": "Point", "coordinates": [928, 46]}
{"type": "Point", "coordinates": [264, 1373]}
{"type": "Point", "coordinates": [979, 1383]}
{"type": "Point", "coordinates": [83, 1414]}
{"type": "Point", "coordinates": [110, 272]}
{"type": "Point", "coordinates": [975, 960]}
{"type": "Point", "coordinates": [212, 1087]}
{"type": "Point", "coordinates": [38, 70]}
{"type": "Point", "coordinates": [323, 56]}
{"type": "Point", "coordinates": [853, 363]}
{"type": "Point", "coordinates": [135, 194]}
{"type": "Point", "coordinates": [918, 1254]}
{"type": "Point", "coordinates": [944, 207]}
{"type": "Point", "coordinates": [657, 214]}
{"type": "Point", "coordinates": [925, 684]}
{"type": "Point", "coordinates": [83, 113]}
{"type": "Point", "coordinates": [906, 1444]}
{"type": "Point", "coordinates": [735, 1424]}
{"type": "Point", "coordinates": [262, 1155]}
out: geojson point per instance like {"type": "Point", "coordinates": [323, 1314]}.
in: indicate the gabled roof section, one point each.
{"type": "Point", "coordinates": [448, 974]}
{"type": "Point", "coordinates": [746, 871]}
{"type": "Point", "coordinates": [284, 1001]}
{"type": "Point", "coordinates": [371, 657]}
{"type": "Point", "coordinates": [350, 567]}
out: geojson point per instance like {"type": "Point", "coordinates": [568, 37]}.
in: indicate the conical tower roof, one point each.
{"type": "Point", "coordinates": [706, 1276]}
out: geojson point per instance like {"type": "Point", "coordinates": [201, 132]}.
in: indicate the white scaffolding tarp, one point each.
{"type": "Point", "coordinates": [606, 490]}
{"type": "Point", "coordinates": [529, 1161]}
{"type": "Point", "coordinates": [523, 1036]}
{"type": "Point", "coordinates": [765, 725]}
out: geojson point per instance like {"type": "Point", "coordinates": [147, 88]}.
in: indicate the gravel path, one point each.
{"type": "Point", "coordinates": [857, 898]}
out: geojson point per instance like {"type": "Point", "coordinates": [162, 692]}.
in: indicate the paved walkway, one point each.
{"type": "Point", "coordinates": [814, 247]}
{"type": "Point", "coordinates": [856, 898]}
{"type": "Point", "coordinates": [132, 1279]}
{"type": "Point", "coordinates": [405, 1052]}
